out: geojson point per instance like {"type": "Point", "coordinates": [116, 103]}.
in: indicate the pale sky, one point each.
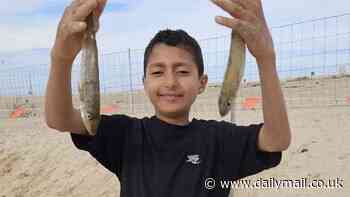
{"type": "Point", "coordinates": [30, 24]}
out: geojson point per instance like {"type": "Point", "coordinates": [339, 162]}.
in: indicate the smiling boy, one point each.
{"type": "Point", "coordinates": [168, 154]}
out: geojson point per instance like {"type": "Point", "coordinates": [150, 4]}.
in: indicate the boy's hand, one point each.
{"type": "Point", "coordinates": [249, 22]}
{"type": "Point", "coordinates": [71, 27]}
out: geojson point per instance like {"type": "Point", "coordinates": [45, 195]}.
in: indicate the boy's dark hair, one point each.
{"type": "Point", "coordinates": [177, 38]}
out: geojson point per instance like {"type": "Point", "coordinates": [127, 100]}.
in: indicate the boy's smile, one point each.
{"type": "Point", "coordinates": [172, 82]}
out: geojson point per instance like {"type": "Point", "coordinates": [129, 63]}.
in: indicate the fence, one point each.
{"type": "Point", "coordinates": [313, 62]}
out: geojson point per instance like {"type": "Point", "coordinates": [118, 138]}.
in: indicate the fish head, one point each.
{"type": "Point", "coordinates": [224, 105]}
{"type": "Point", "coordinates": [91, 122]}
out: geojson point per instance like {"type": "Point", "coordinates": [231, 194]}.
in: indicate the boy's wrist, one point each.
{"type": "Point", "coordinates": [59, 59]}
{"type": "Point", "coordinates": [266, 59]}
{"type": "Point", "coordinates": [267, 63]}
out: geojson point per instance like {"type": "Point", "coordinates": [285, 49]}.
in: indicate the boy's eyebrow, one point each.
{"type": "Point", "coordinates": [162, 65]}
{"type": "Point", "coordinates": [156, 64]}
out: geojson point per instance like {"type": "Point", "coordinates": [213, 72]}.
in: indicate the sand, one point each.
{"type": "Point", "coordinates": [38, 161]}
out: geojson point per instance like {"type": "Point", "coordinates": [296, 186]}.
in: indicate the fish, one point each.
{"type": "Point", "coordinates": [89, 84]}
{"type": "Point", "coordinates": [233, 75]}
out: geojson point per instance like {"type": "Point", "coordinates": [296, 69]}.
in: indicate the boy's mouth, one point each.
{"type": "Point", "coordinates": [170, 96]}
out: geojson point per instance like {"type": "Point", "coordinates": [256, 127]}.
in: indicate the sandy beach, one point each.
{"type": "Point", "coordinates": [37, 161]}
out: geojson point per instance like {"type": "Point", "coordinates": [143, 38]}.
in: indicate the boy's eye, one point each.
{"type": "Point", "coordinates": [156, 73]}
{"type": "Point", "coordinates": [183, 72]}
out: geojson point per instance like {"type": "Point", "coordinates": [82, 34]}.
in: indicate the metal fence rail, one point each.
{"type": "Point", "coordinates": [313, 62]}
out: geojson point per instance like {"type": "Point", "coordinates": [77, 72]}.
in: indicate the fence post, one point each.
{"type": "Point", "coordinates": [337, 73]}
{"type": "Point", "coordinates": [131, 96]}
{"type": "Point", "coordinates": [324, 46]}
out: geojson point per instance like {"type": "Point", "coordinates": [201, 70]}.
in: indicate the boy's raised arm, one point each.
{"type": "Point", "coordinates": [59, 111]}
{"type": "Point", "coordinates": [249, 21]}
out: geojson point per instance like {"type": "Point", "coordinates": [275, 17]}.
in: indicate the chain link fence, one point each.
{"type": "Point", "coordinates": [313, 62]}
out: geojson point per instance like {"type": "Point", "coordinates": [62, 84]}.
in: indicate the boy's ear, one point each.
{"type": "Point", "coordinates": [203, 83]}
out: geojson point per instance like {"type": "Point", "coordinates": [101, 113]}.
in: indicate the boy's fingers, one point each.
{"type": "Point", "coordinates": [243, 28]}
{"type": "Point", "coordinates": [247, 4]}
{"type": "Point", "coordinates": [76, 27]}
{"type": "Point", "coordinates": [235, 10]}
{"type": "Point", "coordinates": [100, 7]}
{"type": "Point", "coordinates": [76, 3]}
{"type": "Point", "coordinates": [82, 11]}
{"type": "Point", "coordinates": [229, 6]}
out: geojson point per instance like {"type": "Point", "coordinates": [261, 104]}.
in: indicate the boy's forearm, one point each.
{"type": "Point", "coordinates": [276, 128]}
{"type": "Point", "coordinates": [58, 102]}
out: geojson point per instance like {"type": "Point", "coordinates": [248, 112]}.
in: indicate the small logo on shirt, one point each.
{"type": "Point", "coordinates": [194, 159]}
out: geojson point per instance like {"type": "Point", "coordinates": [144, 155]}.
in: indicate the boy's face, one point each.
{"type": "Point", "coordinates": [172, 82]}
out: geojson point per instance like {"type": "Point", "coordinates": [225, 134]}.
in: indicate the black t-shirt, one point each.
{"type": "Point", "coordinates": [153, 158]}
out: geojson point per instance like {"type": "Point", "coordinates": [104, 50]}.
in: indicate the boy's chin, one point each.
{"type": "Point", "coordinates": [173, 113]}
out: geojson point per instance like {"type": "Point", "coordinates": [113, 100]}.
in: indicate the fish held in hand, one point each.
{"type": "Point", "coordinates": [89, 86]}
{"type": "Point", "coordinates": [233, 75]}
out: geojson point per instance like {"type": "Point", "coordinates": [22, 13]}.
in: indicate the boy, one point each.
{"type": "Point", "coordinates": [167, 154]}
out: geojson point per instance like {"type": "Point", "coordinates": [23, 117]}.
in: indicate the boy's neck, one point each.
{"type": "Point", "coordinates": [179, 120]}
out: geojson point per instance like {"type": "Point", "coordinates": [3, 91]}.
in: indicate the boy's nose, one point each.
{"type": "Point", "coordinates": [170, 80]}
